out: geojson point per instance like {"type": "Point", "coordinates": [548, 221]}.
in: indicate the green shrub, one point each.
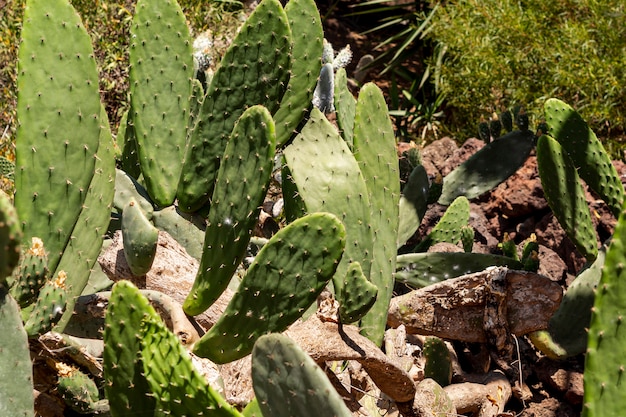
{"type": "Point", "coordinates": [504, 52]}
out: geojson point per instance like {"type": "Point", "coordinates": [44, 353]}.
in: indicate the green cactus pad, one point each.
{"type": "Point", "coordinates": [126, 386]}
{"type": "Point", "coordinates": [127, 189]}
{"type": "Point", "coordinates": [140, 239]}
{"type": "Point", "coordinates": [16, 383]}
{"type": "Point", "coordinates": [79, 391]}
{"type": "Point", "coordinates": [177, 385]}
{"type": "Point", "coordinates": [59, 123]}
{"type": "Point", "coordinates": [345, 105]}
{"type": "Point", "coordinates": [128, 158]}
{"type": "Point", "coordinates": [10, 237]}
{"type": "Point", "coordinates": [449, 229]}
{"type": "Point", "coordinates": [31, 274]}
{"type": "Point", "coordinates": [375, 150]}
{"type": "Point", "coordinates": [161, 69]}
{"type": "Point", "coordinates": [604, 362]}
{"type": "Point", "coordinates": [286, 277]}
{"type": "Point", "coordinates": [241, 186]}
{"type": "Point", "coordinates": [306, 27]}
{"type": "Point", "coordinates": [329, 179]}
{"type": "Point", "coordinates": [49, 307]}
{"type": "Point", "coordinates": [566, 196]}
{"type": "Point", "coordinates": [254, 70]}
{"type": "Point", "coordinates": [423, 269]}
{"type": "Point", "coordinates": [360, 295]}
{"type": "Point", "coordinates": [438, 365]}
{"type": "Point", "coordinates": [586, 151]}
{"type": "Point", "coordinates": [488, 167]}
{"type": "Point", "coordinates": [83, 248]}
{"type": "Point", "coordinates": [413, 204]}
{"type": "Point", "coordinates": [287, 382]}
{"type": "Point", "coordinates": [186, 229]}
{"type": "Point", "coordinates": [294, 205]}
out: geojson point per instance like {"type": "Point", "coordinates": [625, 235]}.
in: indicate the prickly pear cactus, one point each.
{"type": "Point", "coordinates": [285, 278]}
{"type": "Point", "coordinates": [345, 105]}
{"type": "Point", "coordinates": [329, 179]}
{"type": "Point", "coordinates": [308, 35]}
{"type": "Point", "coordinates": [161, 69]}
{"type": "Point", "coordinates": [253, 71]}
{"type": "Point", "coordinates": [586, 151]}
{"type": "Point", "coordinates": [604, 362]}
{"type": "Point", "coordinates": [488, 167]}
{"type": "Point", "coordinates": [59, 127]}
{"type": "Point", "coordinates": [413, 204]}
{"type": "Point", "coordinates": [438, 365]}
{"type": "Point", "coordinates": [140, 239]}
{"type": "Point", "coordinates": [31, 274]}
{"type": "Point", "coordinates": [49, 307]}
{"type": "Point", "coordinates": [126, 386]}
{"type": "Point", "coordinates": [10, 238]}
{"type": "Point", "coordinates": [565, 195]}
{"type": "Point", "coordinates": [241, 185]}
{"type": "Point", "coordinates": [78, 391]}
{"type": "Point", "coordinates": [449, 229]}
{"type": "Point", "coordinates": [16, 384]}
{"type": "Point", "coordinates": [287, 382]}
{"type": "Point", "coordinates": [375, 151]}
{"type": "Point", "coordinates": [360, 293]}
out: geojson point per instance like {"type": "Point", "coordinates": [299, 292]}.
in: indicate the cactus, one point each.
{"type": "Point", "coordinates": [253, 71]}
{"type": "Point", "coordinates": [361, 295]}
{"type": "Point", "coordinates": [450, 227]}
{"type": "Point", "coordinates": [488, 167]}
{"type": "Point", "coordinates": [126, 386]}
{"type": "Point", "coordinates": [438, 365]}
{"type": "Point", "coordinates": [140, 239]}
{"type": "Point", "coordinates": [565, 195]}
{"type": "Point", "coordinates": [323, 96]}
{"type": "Point", "coordinates": [413, 204]}
{"type": "Point", "coordinates": [175, 382]}
{"type": "Point", "coordinates": [235, 205]}
{"type": "Point", "coordinates": [423, 269]}
{"type": "Point", "coordinates": [16, 384]}
{"type": "Point", "coordinates": [10, 238]}
{"type": "Point", "coordinates": [305, 67]}
{"type": "Point", "coordinates": [345, 105]}
{"type": "Point", "coordinates": [375, 151]}
{"type": "Point", "coordinates": [586, 151]}
{"type": "Point", "coordinates": [285, 278]}
{"type": "Point", "coordinates": [287, 382]}
{"type": "Point", "coordinates": [78, 391]}
{"type": "Point", "coordinates": [49, 307]}
{"type": "Point", "coordinates": [161, 69]}
{"type": "Point", "coordinates": [59, 123]}
{"type": "Point", "coordinates": [31, 274]}
{"type": "Point", "coordinates": [604, 362]}
{"type": "Point", "coordinates": [329, 179]}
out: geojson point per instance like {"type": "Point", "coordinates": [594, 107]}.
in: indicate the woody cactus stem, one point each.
{"type": "Point", "coordinates": [161, 69]}
{"type": "Point", "coordinates": [604, 363]}
{"type": "Point", "coordinates": [254, 70]}
{"type": "Point", "coordinates": [285, 278]}
{"type": "Point", "coordinates": [237, 197]}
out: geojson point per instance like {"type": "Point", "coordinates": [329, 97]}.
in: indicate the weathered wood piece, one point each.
{"type": "Point", "coordinates": [455, 308]}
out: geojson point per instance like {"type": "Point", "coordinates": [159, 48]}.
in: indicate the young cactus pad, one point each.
{"type": "Point", "coordinates": [287, 382]}
{"type": "Point", "coordinates": [285, 278]}
{"type": "Point", "coordinates": [161, 69]}
{"type": "Point", "coordinates": [604, 363]}
{"type": "Point", "coordinates": [10, 238]}
{"type": "Point", "coordinates": [241, 184]}
{"type": "Point", "coordinates": [59, 127]}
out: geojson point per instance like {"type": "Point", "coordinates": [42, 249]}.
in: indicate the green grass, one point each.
{"type": "Point", "coordinates": [504, 52]}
